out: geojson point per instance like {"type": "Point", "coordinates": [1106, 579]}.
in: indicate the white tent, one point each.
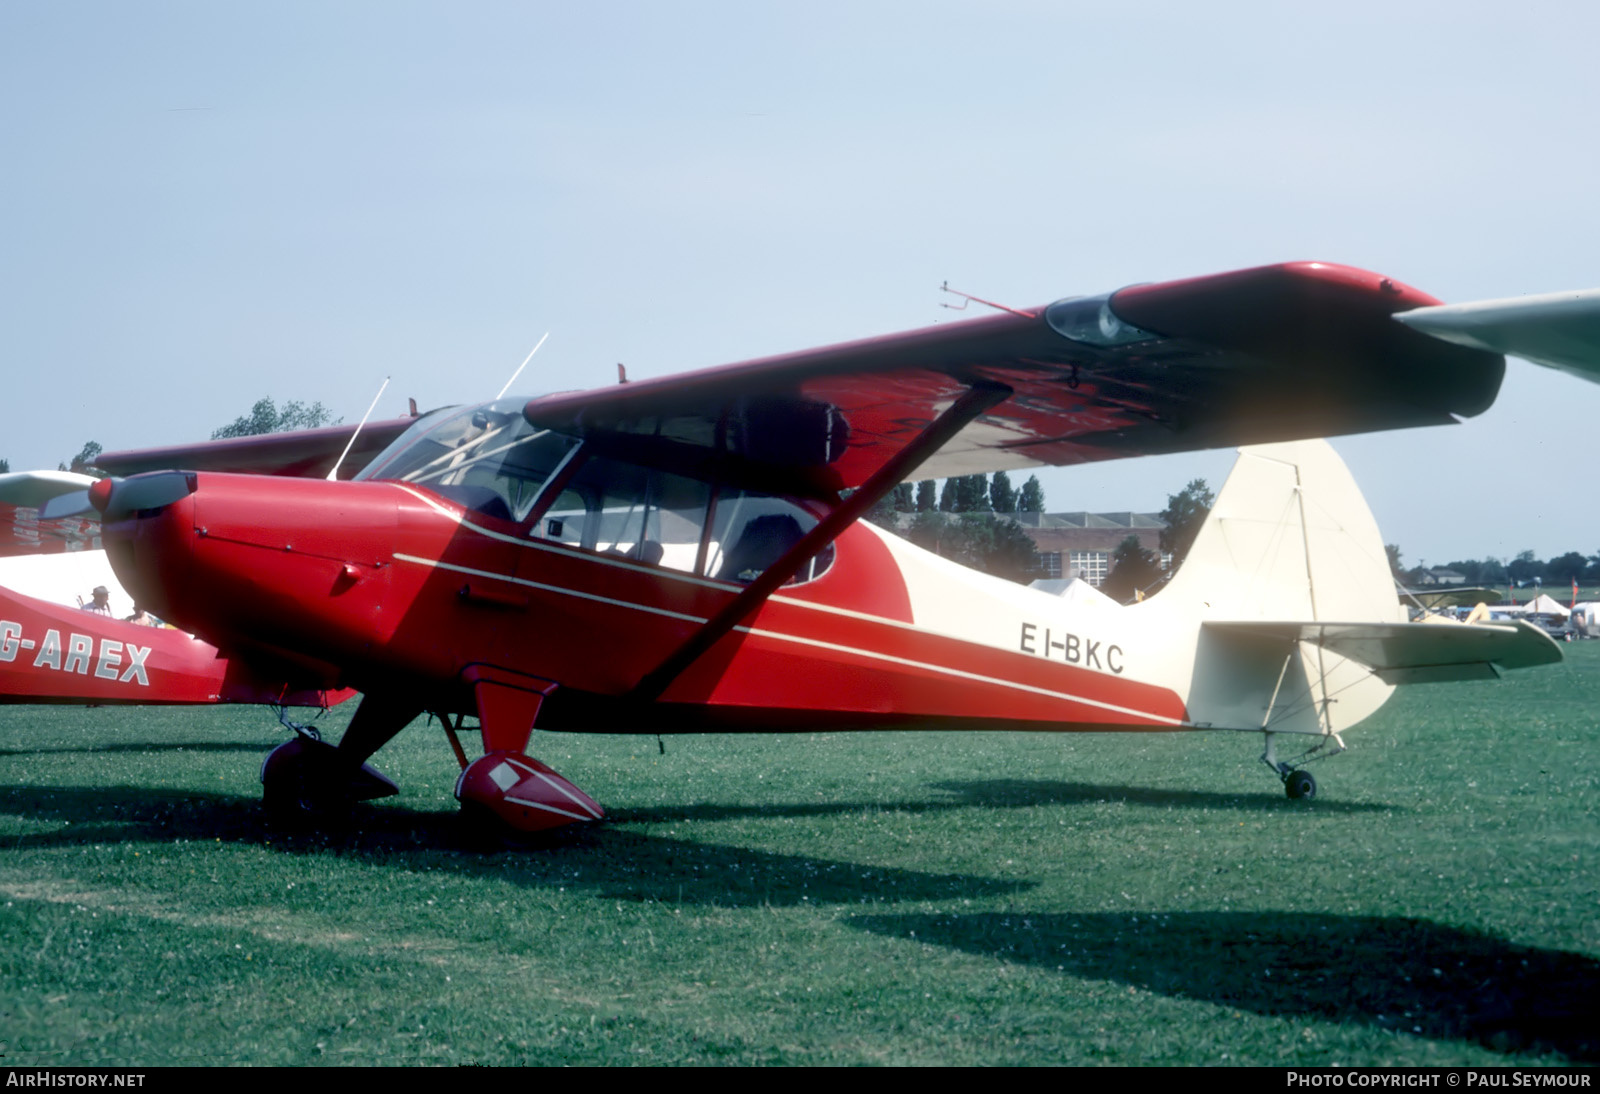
{"type": "Point", "coordinates": [1543, 604]}
{"type": "Point", "coordinates": [1073, 590]}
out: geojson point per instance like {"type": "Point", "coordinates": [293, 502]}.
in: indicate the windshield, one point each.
{"type": "Point", "coordinates": [486, 457]}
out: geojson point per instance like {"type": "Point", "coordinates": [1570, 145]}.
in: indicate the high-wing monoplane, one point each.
{"type": "Point", "coordinates": [686, 554]}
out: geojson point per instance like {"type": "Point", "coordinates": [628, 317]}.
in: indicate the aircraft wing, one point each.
{"type": "Point", "coordinates": [1274, 353]}
{"type": "Point", "coordinates": [1410, 653]}
{"type": "Point", "coordinates": [303, 453]}
{"type": "Point", "coordinates": [1557, 330]}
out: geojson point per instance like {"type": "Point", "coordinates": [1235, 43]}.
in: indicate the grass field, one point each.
{"type": "Point", "coordinates": [827, 898]}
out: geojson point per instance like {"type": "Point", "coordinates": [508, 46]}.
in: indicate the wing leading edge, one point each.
{"type": "Point", "coordinates": [302, 453]}
{"type": "Point", "coordinates": [1260, 355]}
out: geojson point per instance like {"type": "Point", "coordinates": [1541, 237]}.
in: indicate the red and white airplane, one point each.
{"type": "Point", "coordinates": [686, 554]}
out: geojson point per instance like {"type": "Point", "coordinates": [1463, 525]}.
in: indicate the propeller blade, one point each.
{"type": "Point", "coordinates": [75, 504]}
{"type": "Point", "coordinates": [141, 492]}
{"type": "Point", "coordinates": [31, 489]}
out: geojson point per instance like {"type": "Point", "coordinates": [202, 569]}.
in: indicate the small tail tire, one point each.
{"type": "Point", "coordinates": [1299, 785]}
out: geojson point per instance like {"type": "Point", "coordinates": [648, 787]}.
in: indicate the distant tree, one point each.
{"type": "Point", "coordinates": [1133, 568]}
{"type": "Point", "coordinates": [972, 494]}
{"type": "Point", "coordinates": [949, 497]}
{"type": "Point", "coordinates": [883, 513]}
{"type": "Point", "coordinates": [1488, 571]}
{"type": "Point", "coordinates": [1002, 495]}
{"type": "Point", "coordinates": [5, 466]}
{"type": "Point", "coordinates": [265, 417]}
{"type": "Point", "coordinates": [969, 540]}
{"type": "Point", "coordinates": [1013, 555]}
{"type": "Point", "coordinates": [1566, 568]}
{"type": "Point", "coordinates": [1525, 569]}
{"type": "Point", "coordinates": [1395, 565]}
{"type": "Point", "coordinates": [903, 498]}
{"type": "Point", "coordinates": [84, 460]}
{"type": "Point", "coordinates": [983, 541]}
{"type": "Point", "coordinates": [1031, 498]}
{"type": "Point", "coordinates": [928, 529]}
{"type": "Point", "coordinates": [927, 496]}
{"type": "Point", "coordinates": [1186, 511]}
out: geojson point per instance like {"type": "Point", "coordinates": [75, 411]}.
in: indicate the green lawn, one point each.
{"type": "Point", "coordinates": [821, 898]}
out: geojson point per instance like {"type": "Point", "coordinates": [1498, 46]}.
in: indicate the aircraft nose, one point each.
{"type": "Point", "coordinates": [270, 561]}
{"type": "Point", "coordinates": [147, 525]}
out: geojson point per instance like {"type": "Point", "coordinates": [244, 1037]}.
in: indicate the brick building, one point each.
{"type": "Point", "coordinates": [1080, 544]}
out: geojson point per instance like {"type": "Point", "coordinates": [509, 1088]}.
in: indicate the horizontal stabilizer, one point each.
{"type": "Point", "coordinates": [1412, 653]}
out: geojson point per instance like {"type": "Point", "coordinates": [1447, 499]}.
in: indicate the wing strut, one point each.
{"type": "Point", "coordinates": [978, 398]}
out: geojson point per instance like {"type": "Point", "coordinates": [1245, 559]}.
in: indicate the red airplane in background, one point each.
{"type": "Point", "coordinates": [686, 554]}
{"type": "Point", "coordinates": [52, 651]}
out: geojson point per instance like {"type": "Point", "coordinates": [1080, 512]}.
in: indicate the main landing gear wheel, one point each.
{"type": "Point", "coordinates": [303, 780]}
{"type": "Point", "coordinates": [1300, 785]}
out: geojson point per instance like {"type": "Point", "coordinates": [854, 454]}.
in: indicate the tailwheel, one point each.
{"type": "Point", "coordinates": [1297, 781]}
{"type": "Point", "coordinates": [1300, 785]}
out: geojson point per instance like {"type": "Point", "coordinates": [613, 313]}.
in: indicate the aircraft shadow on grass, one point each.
{"type": "Point", "coordinates": [1003, 794]}
{"type": "Point", "coordinates": [1406, 975]}
{"type": "Point", "coordinates": [612, 863]}
{"type": "Point", "coordinates": [138, 747]}
{"type": "Point", "coordinates": [1028, 792]}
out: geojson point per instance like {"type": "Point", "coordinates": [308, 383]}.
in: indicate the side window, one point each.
{"type": "Point", "coordinates": [749, 532]}
{"type": "Point", "coordinates": [632, 512]}
{"type": "Point", "coordinates": [654, 517]}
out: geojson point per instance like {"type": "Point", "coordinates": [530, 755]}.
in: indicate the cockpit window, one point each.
{"type": "Point", "coordinates": [651, 516]}
{"type": "Point", "coordinates": [490, 459]}
{"type": "Point", "coordinates": [630, 511]}
{"type": "Point", "coordinates": [487, 458]}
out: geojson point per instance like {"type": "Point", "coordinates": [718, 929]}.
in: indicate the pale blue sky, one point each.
{"type": "Point", "coordinates": [207, 203]}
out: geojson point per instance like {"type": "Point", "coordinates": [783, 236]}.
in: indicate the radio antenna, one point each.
{"type": "Point", "coordinates": [334, 474]}
{"type": "Point", "coordinates": [522, 366]}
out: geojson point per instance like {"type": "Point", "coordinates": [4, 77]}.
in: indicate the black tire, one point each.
{"type": "Point", "coordinates": [1300, 785]}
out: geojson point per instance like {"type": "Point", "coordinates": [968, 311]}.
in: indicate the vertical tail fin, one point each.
{"type": "Point", "coordinates": [1289, 538]}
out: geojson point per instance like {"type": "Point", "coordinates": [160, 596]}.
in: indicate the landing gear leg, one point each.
{"type": "Point", "coordinates": [308, 776]}
{"type": "Point", "coordinates": [1298, 783]}
{"type": "Point", "coordinates": [506, 783]}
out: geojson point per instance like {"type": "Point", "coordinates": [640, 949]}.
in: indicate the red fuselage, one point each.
{"type": "Point", "coordinates": [389, 587]}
